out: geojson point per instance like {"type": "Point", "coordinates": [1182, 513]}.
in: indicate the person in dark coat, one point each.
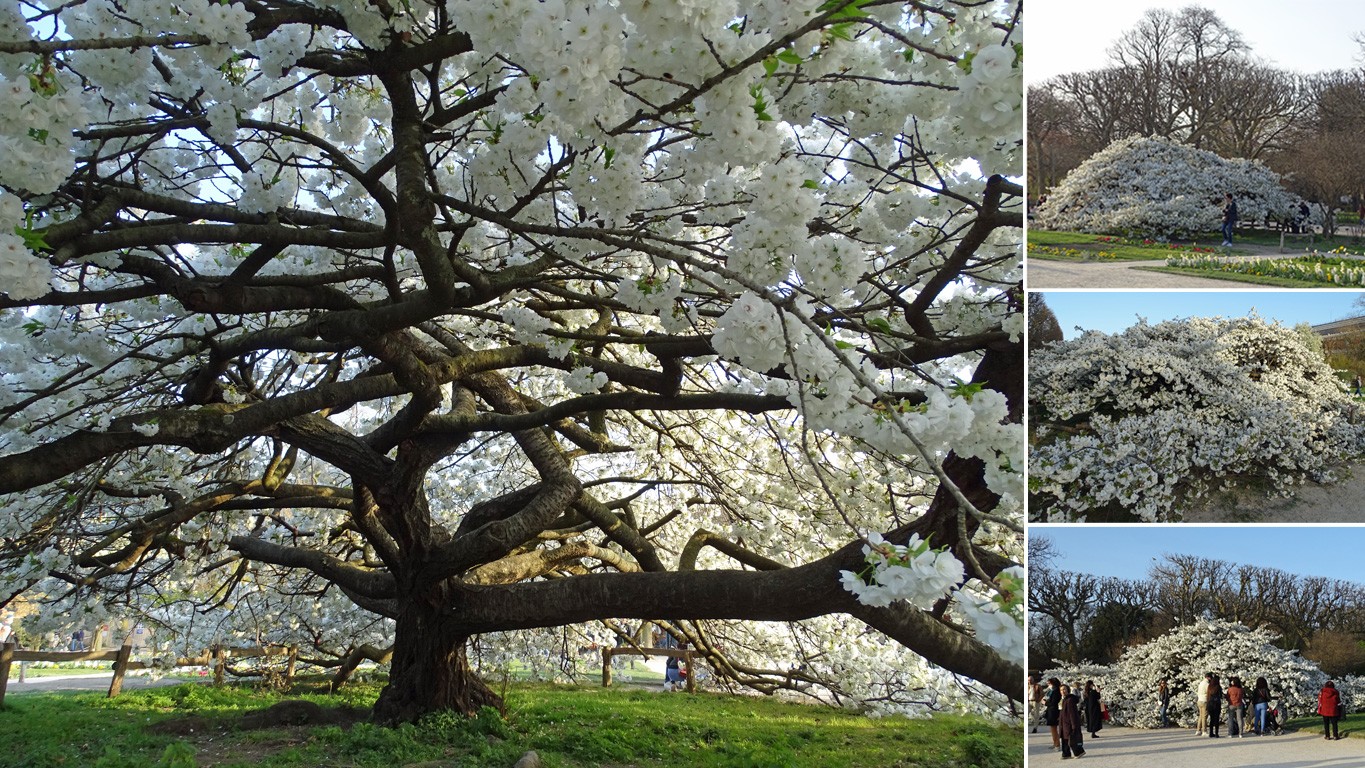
{"type": "Point", "coordinates": [1070, 725]}
{"type": "Point", "coordinates": [1229, 218]}
{"type": "Point", "coordinates": [1052, 703]}
{"type": "Point", "coordinates": [1329, 706]}
{"type": "Point", "coordinates": [1215, 705]}
{"type": "Point", "coordinates": [1094, 711]}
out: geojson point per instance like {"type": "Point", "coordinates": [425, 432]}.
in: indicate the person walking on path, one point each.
{"type": "Point", "coordinates": [1357, 384]}
{"type": "Point", "coordinates": [1163, 695]}
{"type": "Point", "coordinates": [1236, 696]}
{"type": "Point", "coordinates": [1215, 706]}
{"type": "Point", "coordinates": [1260, 703]}
{"type": "Point", "coordinates": [1094, 709]}
{"type": "Point", "coordinates": [1070, 724]}
{"type": "Point", "coordinates": [1229, 217]}
{"type": "Point", "coordinates": [1036, 702]}
{"type": "Point", "coordinates": [1202, 701]}
{"type": "Point", "coordinates": [1329, 706]}
{"type": "Point", "coordinates": [1052, 711]}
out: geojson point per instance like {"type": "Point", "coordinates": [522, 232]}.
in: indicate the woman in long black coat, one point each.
{"type": "Point", "coordinates": [1070, 725]}
{"type": "Point", "coordinates": [1094, 711]}
{"type": "Point", "coordinates": [1052, 703]}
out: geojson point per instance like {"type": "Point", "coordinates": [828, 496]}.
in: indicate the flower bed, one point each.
{"type": "Point", "coordinates": [1312, 268]}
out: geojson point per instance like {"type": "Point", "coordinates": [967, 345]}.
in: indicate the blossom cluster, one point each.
{"type": "Point", "coordinates": [1150, 419]}
{"type": "Point", "coordinates": [913, 572]}
{"type": "Point", "coordinates": [1154, 187]}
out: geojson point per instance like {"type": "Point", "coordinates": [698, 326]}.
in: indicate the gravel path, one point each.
{"type": "Point", "coordinates": [96, 682]}
{"type": "Point", "coordinates": [1181, 748]}
{"type": "Point", "coordinates": [1048, 274]}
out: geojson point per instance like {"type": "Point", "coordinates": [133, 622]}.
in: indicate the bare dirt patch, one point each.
{"type": "Point", "coordinates": [1340, 502]}
{"type": "Point", "coordinates": [279, 727]}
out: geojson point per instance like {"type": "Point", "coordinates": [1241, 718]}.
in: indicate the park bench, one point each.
{"type": "Point", "coordinates": [1286, 233]}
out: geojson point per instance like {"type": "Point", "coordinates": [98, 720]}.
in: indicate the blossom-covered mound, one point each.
{"type": "Point", "coordinates": [1183, 656]}
{"type": "Point", "coordinates": [1161, 188]}
{"type": "Point", "coordinates": [1143, 421]}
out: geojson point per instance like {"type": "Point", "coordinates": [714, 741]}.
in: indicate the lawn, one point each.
{"type": "Point", "coordinates": [1350, 725]}
{"type": "Point", "coordinates": [196, 725]}
{"type": "Point", "coordinates": [1077, 246]}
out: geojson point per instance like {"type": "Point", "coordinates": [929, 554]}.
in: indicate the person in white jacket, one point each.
{"type": "Point", "coordinates": [1202, 700]}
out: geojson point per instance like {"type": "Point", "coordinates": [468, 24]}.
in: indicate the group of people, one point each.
{"type": "Point", "coordinates": [1246, 710]}
{"type": "Point", "coordinates": [1068, 711]}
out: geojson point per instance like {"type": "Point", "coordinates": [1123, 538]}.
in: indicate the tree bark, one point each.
{"type": "Point", "coordinates": [430, 670]}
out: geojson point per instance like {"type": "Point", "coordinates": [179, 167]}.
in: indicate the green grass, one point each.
{"type": "Point", "coordinates": [1350, 725]}
{"type": "Point", "coordinates": [568, 727]}
{"type": "Point", "coordinates": [1077, 246]}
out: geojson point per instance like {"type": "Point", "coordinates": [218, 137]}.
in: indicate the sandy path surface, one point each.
{"type": "Point", "coordinates": [1181, 748]}
{"type": "Point", "coordinates": [95, 682]}
{"type": "Point", "coordinates": [1342, 502]}
{"type": "Point", "coordinates": [1047, 274]}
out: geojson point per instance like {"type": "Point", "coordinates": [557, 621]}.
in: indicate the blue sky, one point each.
{"type": "Point", "coordinates": [1306, 36]}
{"type": "Point", "coordinates": [1128, 551]}
{"type": "Point", "coordinates": [1112, 311]}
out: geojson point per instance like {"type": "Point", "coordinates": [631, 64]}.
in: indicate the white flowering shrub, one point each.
{"type": "Point", "coordinates": [448, 312]}
{"type": "Point", "coordinates": [1142, 422]}
{"type": "Point", "coordinates": [1183, 656]}
{"type": "Point", "coordinates": [1153, 187]}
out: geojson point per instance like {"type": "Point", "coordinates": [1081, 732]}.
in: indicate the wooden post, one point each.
{"type": "Point", "coordinates": [293, 662]}
{"type": "Point", "coordinates": [120, 666]}
{"type": "Point", "coordinates": [219, 665]}
{"type": "Point", "coordinates": [6, 659]}
{"type": "Point", "coordinates": [691, 673]}
{"type": "Point", "coordinates": [606, 667]}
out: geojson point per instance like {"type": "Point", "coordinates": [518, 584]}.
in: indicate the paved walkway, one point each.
{"type": "Point", "coordinates": [1047, 274]}
{"type": "Point", "coordinates": [1181, 748]}
{"type": "Point", "coordinates": [93, 682]}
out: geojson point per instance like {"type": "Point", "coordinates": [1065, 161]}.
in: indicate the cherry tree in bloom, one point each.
{"type": "Point", "coordinates": [501, 317]}
{"type": "Point", "coordinates": [1155, 187]}
{"type": "Point", "coordinates": [1185, 654]}
{"type": "Point", "coordinates": [1144, 422]}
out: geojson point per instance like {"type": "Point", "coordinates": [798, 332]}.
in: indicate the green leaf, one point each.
{"type": "Point", "coordinates": [849, 10]}
{"type": "Point", "coordinates": [879, 324]}
{"type": "Point", "coordinates": [810, 184]}
{"type": "Point", "coordinates": [843, 344]}
{"type": "Point", "coordinates": [33, 240]}
{"type": "Point", "coordinates": [788, 56]}
{"type": "Point", "coordinates": [760, 104]}
{"type": "Point", "coordinates": [966, 390]}
{"type": "Point", "coordinates": [608, 154]}
{"type": "Point", "coordinates": [841, 31]}
{"type": "Point", "coordinates": [769, 66]}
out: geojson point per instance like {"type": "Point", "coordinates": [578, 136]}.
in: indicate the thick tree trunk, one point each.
{"type": "Point", "coordinates": [430, 671]}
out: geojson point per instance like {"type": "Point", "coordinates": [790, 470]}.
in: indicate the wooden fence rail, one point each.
{"type": "Point", "coordinates": [685, 654]}
{"type": "Point", "coordinates": [216, 657]}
